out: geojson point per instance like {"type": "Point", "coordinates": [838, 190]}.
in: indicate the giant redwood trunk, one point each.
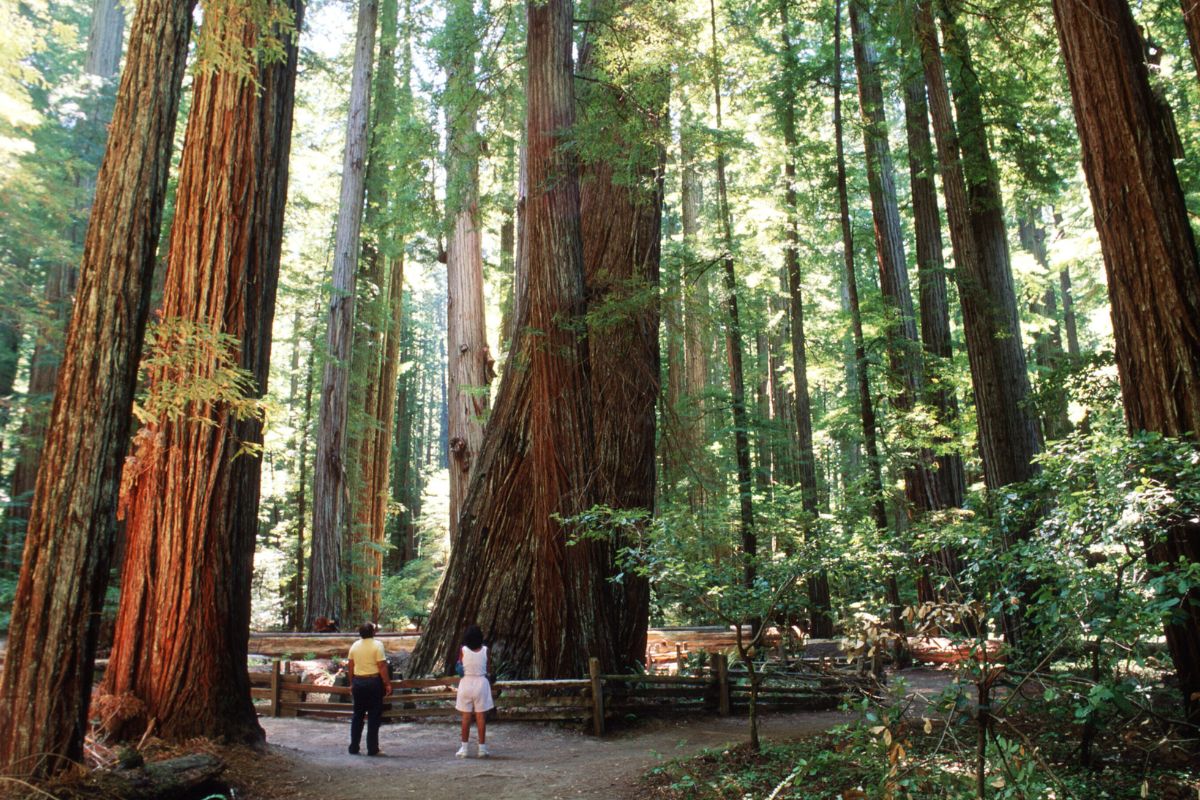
{"type": "Point", "coordinates": [1150, 260]}
{"type": "Point", "coordinates": [620, 229]}
{"type": "Point", "coordinates": [469, 369]}
{"type": "Point", "coordinates": [695, 313]}
{"type": "Point", "coordinates": [949, 477]}
{"type": "Point", "coordinates": [571, 619]}
{"type": "Point", "coordinates": [866, 406]}
{"type": "Point", "coordinates": [1008, 431]}
{"type": "Point", "coordinates": [190, 492]}
{"type": "Point", "coordinates": [330, 486]}
{"type": "Point", "coordinates": [52, 637]}
{"type": "Point", "coordinates": [371, 395]}
{"type": "Point", "coordinates": [545, 606]}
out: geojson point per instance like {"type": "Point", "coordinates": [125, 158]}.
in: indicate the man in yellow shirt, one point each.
{"type": "Point", "coordinates": [369, 684]}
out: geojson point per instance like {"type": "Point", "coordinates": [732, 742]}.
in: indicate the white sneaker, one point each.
{"type": "Point", "coordinates": [483, 751]}
{"type": "Point", "coordinates": [462, 751]}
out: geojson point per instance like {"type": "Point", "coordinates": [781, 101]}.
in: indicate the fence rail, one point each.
{"type": "Point", "coordinates": [594, 700]}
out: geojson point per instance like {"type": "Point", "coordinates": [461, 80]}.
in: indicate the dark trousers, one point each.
{"type": "Point", "coordinates": [368, 702]}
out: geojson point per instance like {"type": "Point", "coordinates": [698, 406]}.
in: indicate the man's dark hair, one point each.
{"type": "Point", "coordinates": [366, 630]}
{"type": "Point", "coordinates": [473, 638]}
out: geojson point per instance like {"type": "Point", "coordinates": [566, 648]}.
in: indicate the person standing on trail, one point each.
{"type": "Point", "coordinates": [474, 690]}
{"type": "Point", "coordinates": [369, 684]}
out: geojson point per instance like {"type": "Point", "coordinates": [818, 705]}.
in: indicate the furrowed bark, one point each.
{"type": "Point", "coordinates": [190, 491]}
{"type": "Point", "coordinates": [1151, 263]}
{"type": "Point", "coordinates": [68, 546]}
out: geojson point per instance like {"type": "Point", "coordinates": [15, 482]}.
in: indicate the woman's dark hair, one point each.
{"type": "Point", "coordinates": [366, 630]}
{"type": "Point", "coordinates": [473, 638]}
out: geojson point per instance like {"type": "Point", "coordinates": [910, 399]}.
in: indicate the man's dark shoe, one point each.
{"type": "Point", "coordinates": [353, 751]}
{"type": "Point", "coordinates": [376, 753]}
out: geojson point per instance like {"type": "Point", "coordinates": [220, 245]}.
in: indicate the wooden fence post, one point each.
{"type": "Point", "coordinates": [276, 687]}
{"type": "Point", "coordinates": [597, 696]}
{"type": "Point", "coordinates": [723, 685]}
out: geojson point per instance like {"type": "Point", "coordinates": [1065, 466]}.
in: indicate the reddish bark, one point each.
{"type": "Point", "coordinates": [44, 702]}
{"type": "Point", "coordinates": [190, 499]}
{"type": "Point", "coordinates": [1150, 260]}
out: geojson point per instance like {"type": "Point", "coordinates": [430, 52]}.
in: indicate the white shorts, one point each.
{"type": "Point", "coordinates": [474, 694]}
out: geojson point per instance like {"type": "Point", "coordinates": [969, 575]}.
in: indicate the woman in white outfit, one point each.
{"type": "Point", "coordinates": [474, 690]}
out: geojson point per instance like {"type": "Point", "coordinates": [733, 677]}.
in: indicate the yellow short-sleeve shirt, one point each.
{"type": "Point", "coordinates": [366, 655]}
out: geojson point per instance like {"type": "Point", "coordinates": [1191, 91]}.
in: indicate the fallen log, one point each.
{"type": "Point", "coordinates": [194, 775]}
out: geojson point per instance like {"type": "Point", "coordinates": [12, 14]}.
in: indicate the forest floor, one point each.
{"type": "Point", "coordinates": [307, 758]}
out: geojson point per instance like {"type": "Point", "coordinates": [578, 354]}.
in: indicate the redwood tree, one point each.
{"type": "Point", "coordinates": [1151, 263]}
{"type": "Point", "coordinates": [621, 212]}
{"type": "Point", "coordinates": [733, 332]}
{"type": "Point", "coordinates": [103, 61]}
{"type": "Point", "coordinates": [904, 350]}
{"type": "Point", "coordinates": [545, 606]}
{"type": "Point", "coordinates": [330, 488]}
{"type": "Point", "coordinates": [469, 370]}
{"type": "Point", "coordinates": [190, 489]}
{"type": "Point", "coordinates": [68, 546]}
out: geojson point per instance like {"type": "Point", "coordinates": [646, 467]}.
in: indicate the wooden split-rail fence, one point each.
{"type": "Point", "coordinates": [595, 700]}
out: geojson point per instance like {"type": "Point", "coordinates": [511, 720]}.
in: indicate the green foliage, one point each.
{"type": "Point", "coordinates": [8, 593]}
{"type": "Point", "coordinates": [221, 41]}
{"type": "Point", "coordinates": [888, 755]}
{"type": "Point", "coordinates": [194, 375]}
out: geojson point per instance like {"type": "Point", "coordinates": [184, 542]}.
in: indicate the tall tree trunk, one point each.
{"type": "Point", "coordinates": [764, 468]}
{"type": "Point", "coordinates": [546, 607]}
{"type": "Point", "coordinates": [1068, 302]}
{"type": "Point", "coordinates": [68, 546]}
{"type": "Point", "coordinates": [821, 622]}
{"type": "Point", "coordinates": [508, 245]}
{"type": "Point", "coordinates": [621, 234]}
{"type": "Point", "coordinates": [469, 370]}
{"type": "Point", "coordinates": [950, 477]}
{"type": "Point", "coordinates": [298, 619]}
{"type": "Point", "coordinates": [330, 489]}
{"type": "Point", "coordinates": [570, 619]}
{"type": "Point", "coordinates": [733, 335]}
{"type": "Point", "coordinates": [1008, 431]}
{"type": "Point", "coordinates": [1150, 260]}
{"type": "Point", "coordinates": [190, 490]}
{"type": "Point", "coordinates": [904, 349]}
{"type": "Point", "coordinates": [695, 316]}
{"type": "Point", "coordinates": [866, 406]}
{"type": "Point", "coordinates": [371, 423]}
{"type": "Point", "coordinates": [931, 277]}
{"type": "Point", "coordinates": [1008, 434]}
{"type": "Point", "coordinates": [103, 61]}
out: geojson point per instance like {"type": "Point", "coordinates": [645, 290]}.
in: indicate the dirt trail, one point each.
{"type": "Point", "coordinates": [307, 758]}
{"type": "Point", "coordinates": [530, 761]}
